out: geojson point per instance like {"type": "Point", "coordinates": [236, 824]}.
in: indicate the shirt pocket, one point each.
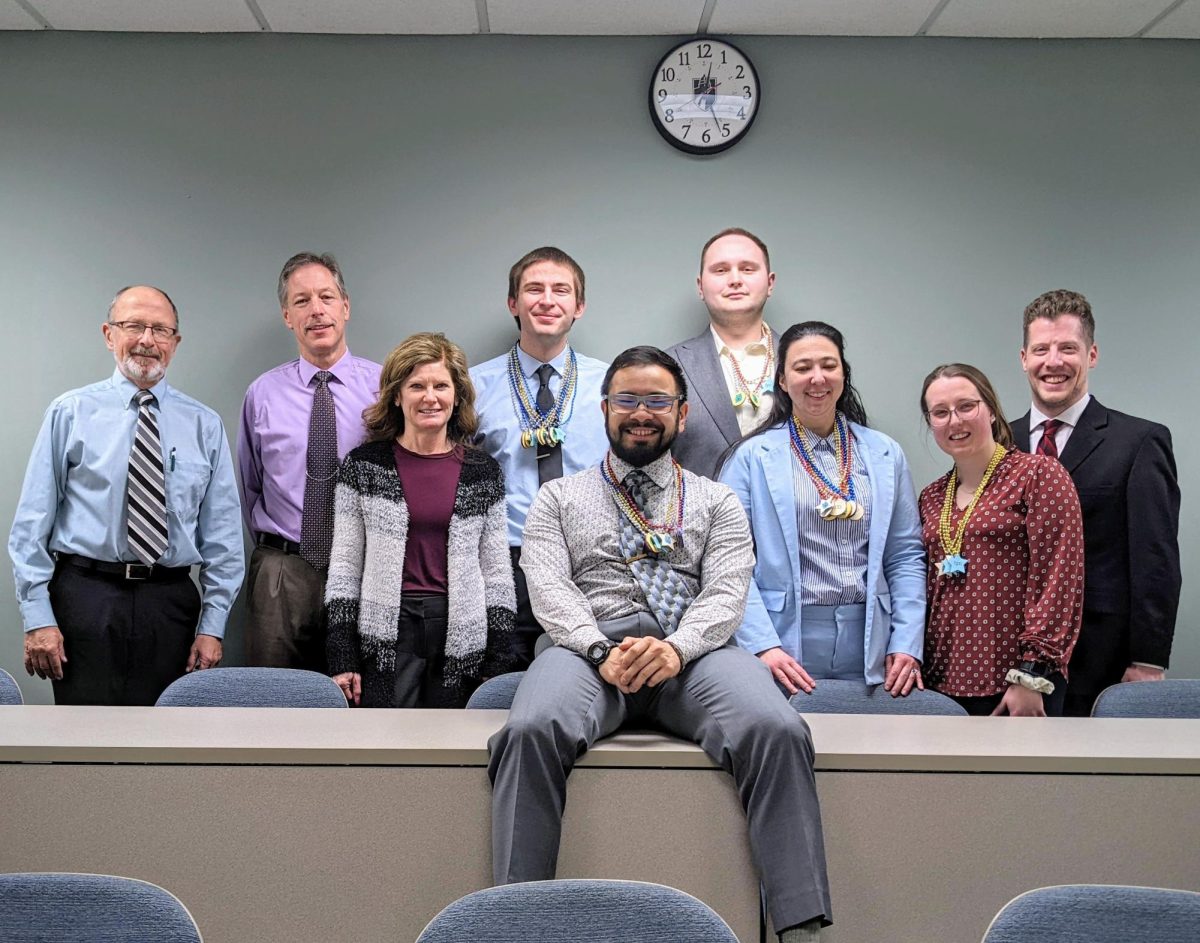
{"type": "Point", "coordinates": [774, 599]}
{"type": "Point", "coordinates": [187, 483]}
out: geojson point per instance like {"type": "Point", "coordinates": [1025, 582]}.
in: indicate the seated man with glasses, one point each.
{"type": "Point", "coordinates": [639, 570]}
{"type": "Point", "coordinates": [130, 484]}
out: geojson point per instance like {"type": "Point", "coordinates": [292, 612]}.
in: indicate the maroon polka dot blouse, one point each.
{"type": "Point", "coordinates": [1022, 596]}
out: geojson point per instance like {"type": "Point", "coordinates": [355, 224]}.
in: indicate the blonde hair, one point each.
{"type": "Point", "coordinates": [385, 419]}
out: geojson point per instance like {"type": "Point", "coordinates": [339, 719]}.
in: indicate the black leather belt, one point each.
{"type": "Point", "coordinates": [275, 542]}
{"type": "Point", "coordinates": [129, 572]}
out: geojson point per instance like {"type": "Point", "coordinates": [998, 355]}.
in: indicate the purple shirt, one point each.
{"type": "Point", "coordinates": [273, 437]}
{"type": "Point", "coordinates": [430, 484]}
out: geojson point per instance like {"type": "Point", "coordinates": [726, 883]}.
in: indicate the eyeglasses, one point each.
{"type": "Point", "coordinates": [940, 415]}
{"type": "Point", "coordinates": [653, 403]}
{"type": "Point", "coordinates": [137, 329]}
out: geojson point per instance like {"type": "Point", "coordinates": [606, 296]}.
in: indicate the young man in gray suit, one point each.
{"type": "Point", "coordinates": [731, 364]}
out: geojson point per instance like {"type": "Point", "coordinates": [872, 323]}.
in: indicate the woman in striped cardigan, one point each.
{"type": "Point", "coordinates": [420, 588]}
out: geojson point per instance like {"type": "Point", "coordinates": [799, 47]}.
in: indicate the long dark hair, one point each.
{"type": "Point", "coordinates": [849, 403]}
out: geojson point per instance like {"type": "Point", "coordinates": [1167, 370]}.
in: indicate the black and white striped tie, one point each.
{"type": "Point", "coordinates": [147, 518]}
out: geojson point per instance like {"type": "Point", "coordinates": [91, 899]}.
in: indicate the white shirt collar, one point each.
{"type": "Point", "coordinates": [1068, 417]}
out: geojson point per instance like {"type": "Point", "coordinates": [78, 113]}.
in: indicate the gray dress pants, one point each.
{"type": "Point", "coordinates": [726, 702]}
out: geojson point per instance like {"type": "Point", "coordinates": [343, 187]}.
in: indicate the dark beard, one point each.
{"type": "Point", "coordinates": [640, 454]}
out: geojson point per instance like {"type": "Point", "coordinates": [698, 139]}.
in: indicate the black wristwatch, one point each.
{"type": "Point", "coordinates": [1035, 668]}
{"type": "Point", "coordinates": [598, 651]}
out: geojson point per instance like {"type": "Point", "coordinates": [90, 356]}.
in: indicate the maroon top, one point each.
{"type": "Point", "coordinates": [430, 483]}
{"type": "Point", "coordinates": [1022, 596]}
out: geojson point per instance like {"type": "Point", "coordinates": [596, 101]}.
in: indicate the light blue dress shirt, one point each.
{"type": "Point", "coordinates": [500, 428]}
{"type": "Point", "coordinates": [73, 499]}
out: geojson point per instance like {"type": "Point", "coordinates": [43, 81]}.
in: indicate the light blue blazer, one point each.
{"type": "Point", "coordinates": [760, 473]}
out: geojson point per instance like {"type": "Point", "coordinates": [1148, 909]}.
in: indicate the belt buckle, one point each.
{"type": "Point", "coordinates": [139, 577]}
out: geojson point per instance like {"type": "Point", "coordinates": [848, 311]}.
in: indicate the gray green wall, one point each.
{"type": "Point", "coordinates": [917, 193]}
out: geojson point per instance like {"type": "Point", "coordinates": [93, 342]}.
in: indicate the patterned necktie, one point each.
{"type": "Point", "coordinates": [666, 593]}
{"type": "Point", "coordinates": [146, 521]}
{"type": "Point", "coordinates": [549, 456]}
{"type": "Point", "coordinates": [316, 524]}
{"type": "Point", "coordinates": [1047, 446]}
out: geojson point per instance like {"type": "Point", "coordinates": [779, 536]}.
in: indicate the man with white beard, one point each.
{"type": "Point", "coordinates": [130, 484]}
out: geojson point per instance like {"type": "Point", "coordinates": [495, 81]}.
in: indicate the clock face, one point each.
{"type": "Point", "coordinates": [704, 95]}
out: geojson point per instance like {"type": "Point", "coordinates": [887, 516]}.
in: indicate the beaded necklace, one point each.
{"type": "Point", "coordinates": [545, 429]}
{"type": "Point", "coordinates": [657, 536]}
{"type": "Point", "coordinates": [743, 391]}
{"type": "Point", "coordinates": [953, 562]}
{"type": "Point", "coordinates": [838, 502]}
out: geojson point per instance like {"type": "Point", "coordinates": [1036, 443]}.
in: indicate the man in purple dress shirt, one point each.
{"type": "Point", "coordinates": [285, 588]}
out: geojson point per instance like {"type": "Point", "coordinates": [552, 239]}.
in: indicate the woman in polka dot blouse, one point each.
{"type": "Point", "coordinates": [1005, 551]}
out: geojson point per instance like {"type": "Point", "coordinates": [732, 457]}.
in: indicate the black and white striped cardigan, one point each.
{"type": "Point", "coordinates": [362, 590]}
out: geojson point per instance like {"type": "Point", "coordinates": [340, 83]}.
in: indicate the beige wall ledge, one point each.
{"type": "Point", "coordinates": [40, 734]}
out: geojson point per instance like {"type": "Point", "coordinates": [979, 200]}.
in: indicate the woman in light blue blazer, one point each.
{"type": "Point", "coordinates": [839, 582]}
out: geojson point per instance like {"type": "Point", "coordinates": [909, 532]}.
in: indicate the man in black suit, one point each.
{"type": "Point", "coordinates": [730, 366]}
{"type": "Point", "coordinates": [1124, 470]}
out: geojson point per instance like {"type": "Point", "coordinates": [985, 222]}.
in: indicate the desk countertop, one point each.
{"type": "Point", "coordinates": [266, 736]}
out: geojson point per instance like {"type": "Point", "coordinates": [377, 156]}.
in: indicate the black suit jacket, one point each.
{"type": "Point", "coordinates": [712, 425]}
{"type": "Point", "coordinates": [1124, 470]}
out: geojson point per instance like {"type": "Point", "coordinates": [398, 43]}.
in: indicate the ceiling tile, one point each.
{"type": "Point", "coordinates": [821, 17]}
{"type": "Point", "coordinates": [610, 18]}
{"type": "Point", "coordinates": [1181, 23]}
{"type": "Point", "coordinates": [171, 16]}
{"type": "Point", "coordinates": [371, 16]}
{"type": "Point", "coordinates": [1046, 18]}
{"type": "Point", "coordinates": [13, 16]}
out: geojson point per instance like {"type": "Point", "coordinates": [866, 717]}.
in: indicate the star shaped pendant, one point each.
{"type": "Point", "coordinates": [953, 565]}
{"type": "Point", "coordinates": [825, 508]}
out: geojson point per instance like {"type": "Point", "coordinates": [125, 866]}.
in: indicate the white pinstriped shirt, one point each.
{"type": "Point", "coordinates": [833, 554]}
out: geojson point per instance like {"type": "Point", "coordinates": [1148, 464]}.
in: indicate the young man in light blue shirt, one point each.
{"type": "Point", "coordinates": [123, 494]}
{"type": "Point", "coordinates": [539, 402]}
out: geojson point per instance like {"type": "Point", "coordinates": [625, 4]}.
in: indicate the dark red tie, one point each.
{"type": "Point", "coordinates": [1048, 446]}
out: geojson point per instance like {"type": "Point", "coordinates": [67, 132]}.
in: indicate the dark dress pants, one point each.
{"type": "Point", "coordinates": [125, 641]}
{"type": "Point", "coordinates": [526, 631]}
{"type": "Point", "coordinates": [285, 598]}
{"type": "Point", "coordinates": [420, 658]}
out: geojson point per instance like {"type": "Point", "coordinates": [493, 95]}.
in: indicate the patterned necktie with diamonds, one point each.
{"type": "Point", "coordinates": [1048, 446]}
{"type": "Point", "coordinates": [145, 489]}
{"type": "Point", "coordinates": [666, 592]}
{"type": "Point", "coordinates": [316, 523]}
{"type": "Point", "coordinates": [549, 457]}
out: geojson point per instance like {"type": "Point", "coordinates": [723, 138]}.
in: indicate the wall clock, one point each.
{"type": "Point", "coordinates": [704, 95]}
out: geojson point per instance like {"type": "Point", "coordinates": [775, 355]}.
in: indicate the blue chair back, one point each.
{"type": "Point", "coordinates": [495, 694]}
{"type": "Point", "coordinates": [855, 697]}
{"type": "Point", "coordinates": [253, 687]}
{"type": "Point", "coordinates": [90, 908]}
{"type": "Point", "coordinates": [582, 911]}
{"type": "Point", "coordinates": [1096, 913]}
{"type": "Point", "coordinates": [10, 691]}
{"type": "Point", "coordinates": [1176, 698]}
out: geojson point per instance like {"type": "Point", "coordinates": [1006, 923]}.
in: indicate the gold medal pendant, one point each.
{"type": "Point", "coordinates": [527, 439]}
{"type": "Point", "coordinates": [859, 512]}
{"type": "Point", "coordinates": [839, 509]}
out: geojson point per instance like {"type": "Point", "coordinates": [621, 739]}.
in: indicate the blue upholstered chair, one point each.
{"type": "Point", "coordinates": [579, 911]}
{"type": "Point", "coordinates": [1097, 913]}
{"type": "Point", "coordinates": [1175, 698]}
{"type": "Point", "coordinates": [496, 694]}
{"type": "Point", "coordinates": [253, 687]}
{"type": "Point", "coordinates": [855, 697]}
{"type": "Point", "coordinates": [90, 908]}
{"type": "Point", "coordinates": [10, 691]}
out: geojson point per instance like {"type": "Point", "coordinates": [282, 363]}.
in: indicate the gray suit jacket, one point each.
{"type": "Point", "coordinates": [711, 423]}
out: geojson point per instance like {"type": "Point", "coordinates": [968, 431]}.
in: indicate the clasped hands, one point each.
{"type": "Point", "coordinates": [640, 662]}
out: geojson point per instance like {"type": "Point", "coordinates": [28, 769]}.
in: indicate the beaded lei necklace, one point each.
{"type": "Point", "coordinates": [545, 429]}
{"type": "Point", "coordinates": [953, 562]}
{"type": "Point", "coordinates": [656, 536]}
{"type": "Point", "coordinates": [743, 391]}
{"type": "Point", "coordinates": [838, 502]}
